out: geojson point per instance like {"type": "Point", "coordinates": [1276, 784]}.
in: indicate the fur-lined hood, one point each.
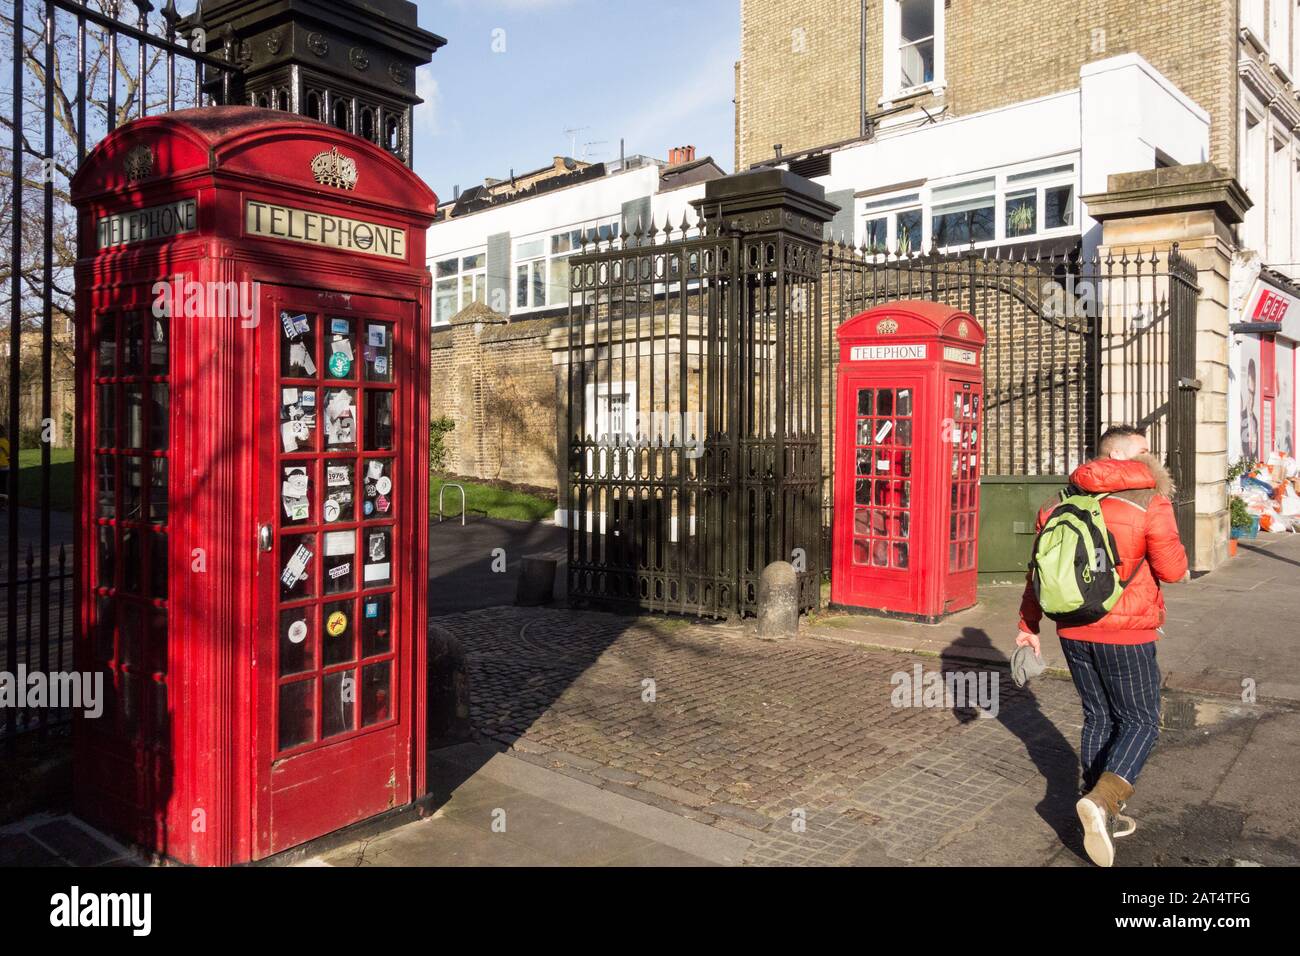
{"type": "Point", "coordinates": [1143, 473]}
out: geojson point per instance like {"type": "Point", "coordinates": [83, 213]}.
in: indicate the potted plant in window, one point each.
{"type": "Point", "coordinates": [1020, 219]}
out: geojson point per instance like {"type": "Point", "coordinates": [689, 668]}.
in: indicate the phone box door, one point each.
{"type": "Point", "coordinates": [334, 645]}
{"type": "Point", "coordinates": [878, 467]}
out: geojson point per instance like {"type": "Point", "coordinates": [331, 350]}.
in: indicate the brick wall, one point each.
{"type": "Point", "coordinates": [798, 78]}
{"type": "Point", "coordinates": [495, 380]}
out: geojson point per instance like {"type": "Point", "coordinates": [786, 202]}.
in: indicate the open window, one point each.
{"type": "Point", "coordinates": [913, 55]}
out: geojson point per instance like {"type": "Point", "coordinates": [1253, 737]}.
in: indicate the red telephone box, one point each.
{"type": "Point", "coordinates": [907, 456]}
{"type": "Point", "coordinates": [252, 335]}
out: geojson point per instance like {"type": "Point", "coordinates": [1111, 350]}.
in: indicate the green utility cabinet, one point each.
{"type": "Point", "coordinates": [1009, 507]}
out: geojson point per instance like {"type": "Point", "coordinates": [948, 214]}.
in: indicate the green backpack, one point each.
{"type": "Point", "coordinates": [1074, 564]}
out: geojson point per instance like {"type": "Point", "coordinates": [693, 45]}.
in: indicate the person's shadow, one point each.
{"type": "Point", "coordinates": [1018, 711]}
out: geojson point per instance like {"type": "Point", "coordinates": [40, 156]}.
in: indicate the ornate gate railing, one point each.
{"type": "Point", "coordinates": [694, 437]}
{"type": "Point", "coordinates": [78, 69]}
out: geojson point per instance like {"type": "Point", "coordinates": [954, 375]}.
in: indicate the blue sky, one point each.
{"type": "Point", "coordinates": [658, 73]}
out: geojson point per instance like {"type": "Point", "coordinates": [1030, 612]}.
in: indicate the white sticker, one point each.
{"type": "Point", "coordinates": [377, 572]}
{"type": "Point", "coordinates": [885, 429]}
{"type": "Point", "coordinates": [384, 485]}
{"type": "Point", "coordinates": [331, 510]}
{"type": "Point", "coordinates": [289, 434]}
{"type": "Point", "coordinates": [340, 542]}
{"type": "Point", "coordinates": [289, 396]}
{"type": "Point", "coordinates": [336, 475]}
{"type": "Point", "coordinates": [381, 365]}
{"type": "Point", "coordinates": [301, 358]}
{"type": "Point", "coordinates": [297, 632]}
{"type": "Point", "coordinates": [296, 567]}
{"type": "Point", "coordinates": [378, 335]}
{"type": "Point", "coordinates": [295, 483]}
{"type": "Point", "coordinates": [882, 464]}
{"type": "Point", "coordinates": [342, 571]}
{"type": "Point", "coordinates": [375, 470]}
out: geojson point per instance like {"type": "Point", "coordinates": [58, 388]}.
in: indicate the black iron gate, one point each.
{"type": "Point", "coordinates": [79, 69]}
{"type": "Point", "coordinates": [694, 438]}
{"type": "Point", "coordinates": [1073, 344]}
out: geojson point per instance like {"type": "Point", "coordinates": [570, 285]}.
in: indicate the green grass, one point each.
{"type": "Point", "coordinates": [61, 478]}
{"type": "Point", "coordinates": [494, 502]}
{"type": "Point", "coordinates": [480, 498]}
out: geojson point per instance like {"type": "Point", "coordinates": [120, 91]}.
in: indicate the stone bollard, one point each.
{"type": "Point", "coordinates": [536, 582]}
{"type": "Point", "coordinates": [778, 602]}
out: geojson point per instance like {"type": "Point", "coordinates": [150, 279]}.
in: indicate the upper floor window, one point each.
{"type": "Point", "coordinates": [541, 263]}
{"type": "Point", "coordinates": [913, 46]}
{"type": "Point", "coordinates": [1013, 205]}
{"type": "Point", "coordinates": [457, 281]}
{"type": "Point", "coordinates": [894, 224]}
{"type": "Point", "coordinates": [964, 213]}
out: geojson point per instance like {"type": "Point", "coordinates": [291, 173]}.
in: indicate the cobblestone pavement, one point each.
{"type": "Point", "coordinates": [796, 746]}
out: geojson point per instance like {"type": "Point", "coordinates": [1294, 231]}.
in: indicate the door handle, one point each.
{"type": "Point", "coordinates": [265, 536]}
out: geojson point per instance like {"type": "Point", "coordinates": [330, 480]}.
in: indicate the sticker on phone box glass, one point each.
{"type": "Point", "coordinates": [296, 569]}
{"type": "Point", "coordinates": [295, 326]}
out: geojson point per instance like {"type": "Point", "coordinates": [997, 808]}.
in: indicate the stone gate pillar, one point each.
{"type": "Point", "coordinates": [1197, 207]}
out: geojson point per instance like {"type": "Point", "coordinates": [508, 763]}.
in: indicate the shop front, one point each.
{"type": "Point", "coordinates": [1262, 403]}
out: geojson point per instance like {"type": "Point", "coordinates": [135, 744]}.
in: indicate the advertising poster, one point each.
{"type": "Point", "coordinates": [1248, 391]}
{"type": "Point", "coordinates": [1284, 438]}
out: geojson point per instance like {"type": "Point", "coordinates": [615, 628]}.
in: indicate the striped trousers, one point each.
{"type": "Point", "coordinates": [1119, 687]}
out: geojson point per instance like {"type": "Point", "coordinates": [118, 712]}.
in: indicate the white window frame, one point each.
{"type": "Point", "coordinates": [475, 275]}
{"type": "Point", "coordinates": [1040, 176]}
{"type": "Point", "coordinates": [1277, 241]}
{"type": "Point", "coordinates": [597, 426]}
{"type": "Point", "coordinates": [1279, 34]}
{"type": "Point", "coordinates": [1254, 17]}
{"type": "Point", "coordinates": [892, 86]}
{"type": "Point", "coordinates": [943, 201]}
{"type": "Point", "coordinates": [1253, 165]}
{"type": "Point", "coordinates": [547, 256]}
{"type": "Point", "coordinates": [889, 207]}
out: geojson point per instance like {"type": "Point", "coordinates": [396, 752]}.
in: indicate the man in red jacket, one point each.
{"type": "Point", "coordinates": [1113, 661]}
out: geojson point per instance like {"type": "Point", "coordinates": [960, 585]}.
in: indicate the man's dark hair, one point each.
{"type": "Point", "coordinates": [1115, 433]}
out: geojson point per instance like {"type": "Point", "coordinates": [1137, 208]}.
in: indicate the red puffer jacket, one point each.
{"type": "Point", "coordinates": [1139, 514]}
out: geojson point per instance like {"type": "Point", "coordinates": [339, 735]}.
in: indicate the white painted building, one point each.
{"type": "Point", "coordinates": [1264, 304]}
{"type": "Point", "coordinates": [1012, 174]}
{"type": "Point", "coordinates": [511, 254]}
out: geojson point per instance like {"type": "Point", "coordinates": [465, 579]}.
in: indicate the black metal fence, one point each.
{"type": "Point", "coordinates": [694, 440]}
{"type": "Point", "coordinates": [1073, 344]}
{"type": "Point", "coordinates": [79, 69]}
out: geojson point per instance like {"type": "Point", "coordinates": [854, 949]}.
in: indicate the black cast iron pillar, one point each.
{"type": "Point", "coordinates": [350, 63]}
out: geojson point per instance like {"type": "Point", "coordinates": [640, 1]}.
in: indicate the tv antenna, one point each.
{"type": "Point", "coordinates": [573, 138]}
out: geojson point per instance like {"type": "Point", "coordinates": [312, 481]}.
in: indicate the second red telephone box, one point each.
{"type": "Point", "coordinates": [907, 450]}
